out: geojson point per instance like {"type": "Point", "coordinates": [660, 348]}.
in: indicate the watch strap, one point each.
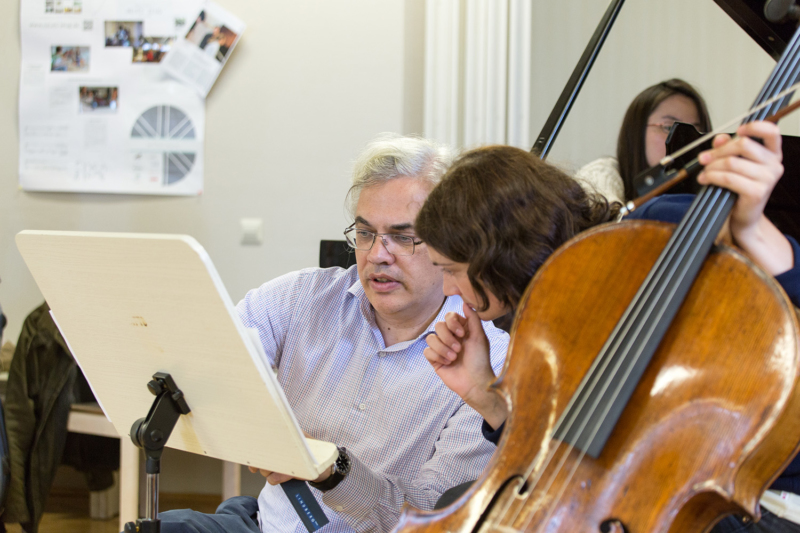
{"type": "Point", "coordinates": [339, 470]}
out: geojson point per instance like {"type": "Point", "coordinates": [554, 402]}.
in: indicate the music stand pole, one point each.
{"type": "Point", "coordinates": [151, 434]}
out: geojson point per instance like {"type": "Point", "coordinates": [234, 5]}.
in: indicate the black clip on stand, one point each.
{"type": "Point", "coordinates": [151, 434]}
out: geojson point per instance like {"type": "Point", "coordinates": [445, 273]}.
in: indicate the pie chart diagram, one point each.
{"type": "Point", "coordinates": [165, 122]}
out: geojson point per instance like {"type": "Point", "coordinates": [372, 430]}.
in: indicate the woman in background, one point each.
{"type": "Point", "coordinates": [643, 135]}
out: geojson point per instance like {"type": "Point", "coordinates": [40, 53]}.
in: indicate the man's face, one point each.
{"type": "Point", "coordinates": [399, 287]}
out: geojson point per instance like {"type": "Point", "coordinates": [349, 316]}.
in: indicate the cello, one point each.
{"type": "Point", "coordinates": [645, 398]}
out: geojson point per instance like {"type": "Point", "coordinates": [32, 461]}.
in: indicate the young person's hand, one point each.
{"type": "Point", "coordinates": [459, 353]}
{"type": "Point", "coordinates": [751, 170]}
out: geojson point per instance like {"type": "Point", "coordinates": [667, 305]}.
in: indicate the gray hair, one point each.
{"type": "Point", "coordinates": [392, 156]}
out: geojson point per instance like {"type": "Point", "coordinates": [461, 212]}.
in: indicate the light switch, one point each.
{"type": "Point", "coordinates": [252, 231]}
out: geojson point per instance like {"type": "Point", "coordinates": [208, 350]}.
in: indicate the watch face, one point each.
{"type": "Point", "coordinates": [343, 462]}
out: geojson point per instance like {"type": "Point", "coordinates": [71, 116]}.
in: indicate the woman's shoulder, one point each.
{"type": "Point", "coordinates": [602, 176]}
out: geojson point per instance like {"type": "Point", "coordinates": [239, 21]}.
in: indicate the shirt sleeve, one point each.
{"type": "Point", "coordinates": [790, 280]}
{"type": "Point", "coordinates": [492, 435]}
{"type": "Point", "coordinates": [372, 501]}
{"type": "Point", "coordinates": [668, 208]}
{"type": "Point", "coordinates": [602, 176]}
{"type": "Point", "coordinates": [269, 310]}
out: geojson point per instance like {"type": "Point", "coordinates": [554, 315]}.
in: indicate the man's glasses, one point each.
{"type": "Point", "coordinates": [395, 243]}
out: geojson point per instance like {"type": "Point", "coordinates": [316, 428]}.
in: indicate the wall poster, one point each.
{"type": "Point", "coordinates": [97, 113]}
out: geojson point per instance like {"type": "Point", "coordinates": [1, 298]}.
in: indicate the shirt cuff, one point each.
{"type": "Point", "coordinates": [492, 435]}
{"type": "Point", "coordinates": [358, 492]}
{"type": "Point", "coordinates": [790, 280]}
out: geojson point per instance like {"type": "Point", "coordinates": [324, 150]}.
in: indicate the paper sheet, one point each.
{"type": "Point", "coordinates": [198, 56]}
{"type": "Point", "coordinates": [97, 113]}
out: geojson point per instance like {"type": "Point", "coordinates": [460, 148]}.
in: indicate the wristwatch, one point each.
{"type": "Point", "coordinates": [339, 469]}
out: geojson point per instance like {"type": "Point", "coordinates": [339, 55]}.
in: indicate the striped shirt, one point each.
{"type": "Point", "coordinates": [408, 436]}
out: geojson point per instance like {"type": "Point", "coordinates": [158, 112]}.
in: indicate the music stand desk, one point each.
{"type": "Point", "coordinates": [130, 305]}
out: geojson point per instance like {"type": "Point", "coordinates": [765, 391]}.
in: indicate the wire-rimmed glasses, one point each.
{"type": "Point", "coordinates": [395, 243]}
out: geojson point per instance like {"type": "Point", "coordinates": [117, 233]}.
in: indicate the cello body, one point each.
{"type": "Point", "coordinates": [711, 423]}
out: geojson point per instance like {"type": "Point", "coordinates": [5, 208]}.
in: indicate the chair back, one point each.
{"type": "Point", "coordinates": [336, 253]}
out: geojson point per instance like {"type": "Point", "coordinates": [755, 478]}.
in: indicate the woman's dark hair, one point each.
{"type": "Point", "coordinates": [631, 142]}
{"type": "Point", "coordinates": [504, 211]}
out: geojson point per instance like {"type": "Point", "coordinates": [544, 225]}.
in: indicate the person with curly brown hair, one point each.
{"type": "Point", "coordinates": [500, 212]}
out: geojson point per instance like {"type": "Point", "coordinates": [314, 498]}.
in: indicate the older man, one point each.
{"type": "Point", "coordinates": [348, 346]}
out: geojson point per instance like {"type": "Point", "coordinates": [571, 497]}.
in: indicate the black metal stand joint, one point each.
{"type": "Point", "coordinates": [151, 434]}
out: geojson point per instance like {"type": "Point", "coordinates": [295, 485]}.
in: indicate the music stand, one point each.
{"type": "Point", "coordinates": [133, 305]}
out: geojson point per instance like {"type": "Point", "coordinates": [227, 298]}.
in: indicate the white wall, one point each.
{"type": "Point", "coordinates": [309, 84]}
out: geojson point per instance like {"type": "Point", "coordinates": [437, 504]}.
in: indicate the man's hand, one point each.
{"type": "Point", "coordinates": [459, 353]}
{"type": "Point", "coordinates": [274, 478]}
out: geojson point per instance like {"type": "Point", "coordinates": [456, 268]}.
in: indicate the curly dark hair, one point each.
{"type": "Point", "coordinates": [631, 147]}
{"type": "Point", "coordinates": [505, 211]}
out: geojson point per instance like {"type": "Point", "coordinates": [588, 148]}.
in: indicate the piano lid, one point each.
{"type": "Point", "coordinates": [749, 14]}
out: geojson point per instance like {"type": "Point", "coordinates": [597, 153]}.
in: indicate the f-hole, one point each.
{"type": "Point", "coordinates": [612, 525]}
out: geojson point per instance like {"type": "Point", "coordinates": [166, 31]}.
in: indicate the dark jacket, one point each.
{"type": "Point", "coordinates": [43, 382]}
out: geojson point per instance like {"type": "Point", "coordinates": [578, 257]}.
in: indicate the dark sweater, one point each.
{"type": "Point", "coordinates": [671, 208]}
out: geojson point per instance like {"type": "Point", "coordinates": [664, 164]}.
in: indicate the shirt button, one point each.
{"type": "Point", "coordinates": [339, 508]}
{"type": "Point", "coordinates": [362, 406]}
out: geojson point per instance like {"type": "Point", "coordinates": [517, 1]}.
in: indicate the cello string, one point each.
{"type": "Point", "coordinates": [792, 60]}
{"type": "Point", "coordinates": [693, 250]}
{"type": "Point", "coordinates": [750, 113]}
{"type": "Point", "coordinates": [606, 359]}
{"type": "Point", "coordinates": [760, 107]}
{"type": "Point", "coordinates": [598, 425]}
{"type": "Point", "coordinates": [780, 70]}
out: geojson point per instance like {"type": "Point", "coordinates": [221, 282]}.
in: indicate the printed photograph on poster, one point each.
{"type": "Point", "coordinates": [211, 36]}
{"type": "Point", "coordinates": [123, 33]}
{"type": "Point", "coordinates": [198, 57]}
{"type": "Point", "coordinates": [98, 99]}
{"type": "Point", "coordinates": [152, 49]}
{"type": "Point", "coordinates": [63, 6]}
{"type": "Point", "coordinates": [69, 59]}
